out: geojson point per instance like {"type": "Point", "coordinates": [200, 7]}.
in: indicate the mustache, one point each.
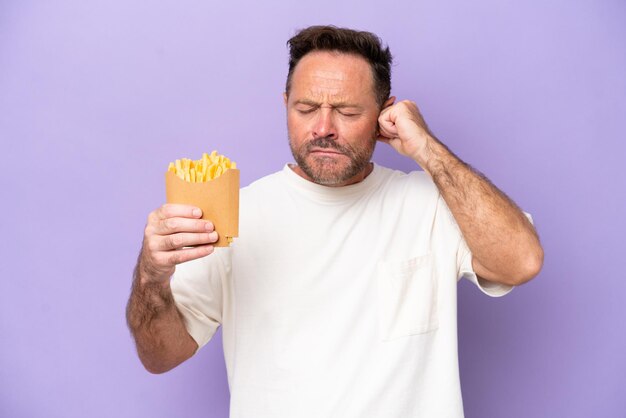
{"type": "Point", "coordinates": [326, 142]}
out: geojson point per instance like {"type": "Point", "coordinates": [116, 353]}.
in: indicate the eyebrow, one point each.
{"type": "Point", "coordinates": [340, 104]}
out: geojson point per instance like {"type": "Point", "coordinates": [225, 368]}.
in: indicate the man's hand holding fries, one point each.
{"type": "Point", "coordinates": [177, 232]}
{"type": "Point", "coordinates": [170, 229]}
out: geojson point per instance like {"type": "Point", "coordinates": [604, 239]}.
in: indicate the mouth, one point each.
{"type": "Point", "coordinates": [325, 152]}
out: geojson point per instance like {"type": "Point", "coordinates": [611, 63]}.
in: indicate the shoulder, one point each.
{"type": "Point", "coordinates": [267, 184]}
{"type": "Point", "coordinates": [415, 182]}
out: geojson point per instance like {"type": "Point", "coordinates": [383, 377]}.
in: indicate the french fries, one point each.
{"type": "Point", "coordinates": [208, 168]}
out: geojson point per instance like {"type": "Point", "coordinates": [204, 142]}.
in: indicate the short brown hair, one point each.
{"type": "Point", "coordinates": [332, 38]}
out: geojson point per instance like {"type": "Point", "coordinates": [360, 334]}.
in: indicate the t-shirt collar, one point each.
{"type": "Point", "coordinates": [328, 193]}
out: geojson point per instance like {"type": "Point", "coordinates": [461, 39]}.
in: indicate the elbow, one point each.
{"type": "Point", "coordinates": [530, 268]}
{"type": "Point", "coordinates": [518, 270]}
{"type": "Point", "coordinates": [156, 370]}
{"type": "Point", "coordinates": [162, 361]}
{"type": "Point", "coordinates": [157, 362]}
{"type": "Point", "coordinates": [154, 367]}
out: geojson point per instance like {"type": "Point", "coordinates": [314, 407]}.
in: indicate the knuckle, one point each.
{"type": "Point", "coordinates": [152, 245]}
{"type": "Point", "coordinates": [159, 260]}
{"type": "Point", "coordinates": [166, 210]}
{"type": "Point", "coordinates": [171, 241]}
{"type": "Point", "coordinates": [177, 240]}
{"type": "Point", "coordinates": [148, 230]}
{"type": "Point", "coordinates": [174, 258]}
{"type": "Point", "coordinates": [170, 223]}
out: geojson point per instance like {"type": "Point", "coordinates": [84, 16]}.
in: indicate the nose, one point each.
{"type": "Point", "coordinates": [324, 126]}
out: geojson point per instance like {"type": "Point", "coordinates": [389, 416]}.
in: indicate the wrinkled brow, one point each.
{"type": "Point", "coordinates": [339, 104]}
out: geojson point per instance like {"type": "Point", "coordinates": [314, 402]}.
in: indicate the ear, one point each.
{"type": "Point", "coordinates": [285, 98]}
{"type": "Point", "coordinates": [390, 101]}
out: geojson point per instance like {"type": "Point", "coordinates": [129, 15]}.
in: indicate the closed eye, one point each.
{"type": "Point", "coordinates": [306, 111]}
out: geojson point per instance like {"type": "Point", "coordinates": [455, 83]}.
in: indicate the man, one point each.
{"type": "Point", "coordinates": [339, 297]}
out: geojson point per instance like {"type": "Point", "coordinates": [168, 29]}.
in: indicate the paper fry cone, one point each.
{"type": "Point", "coordinates": [218, 199]}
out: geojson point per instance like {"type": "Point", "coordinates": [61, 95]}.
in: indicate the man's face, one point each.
{"type": "Point", "coordinates": [332, 117]}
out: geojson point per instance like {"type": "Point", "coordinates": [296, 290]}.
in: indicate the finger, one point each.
{"type": "Point", "coordinates": [172, 225]}
{"type": "Point", "coordinates": [170, 210]}
{"type": "Point", "coordinates": [387, 130]}
{"type": "Point", "coordinates": [383, 118]}
{"type": "Point", "coordinates": [171, 258]}
{"type": "Point", "coordinates": [178, 241]}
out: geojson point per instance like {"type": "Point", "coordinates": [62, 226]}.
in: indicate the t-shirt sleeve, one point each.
{"type": "Point", "coordinates": [464, 261]}
{"type": "Point", "coordinates": [197, 289]}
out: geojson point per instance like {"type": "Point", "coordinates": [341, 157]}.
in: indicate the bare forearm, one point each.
{"type": "Point", "coordinates": [157, 326]}
{"type": "Point", "coordinates": [502, 240]}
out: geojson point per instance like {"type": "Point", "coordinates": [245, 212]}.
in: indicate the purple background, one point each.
{"type": "Point", "coordinates": [97, 97]}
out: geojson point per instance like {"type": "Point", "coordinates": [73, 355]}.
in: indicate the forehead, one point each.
{"type": "Point", "coordinates": [328, 74]}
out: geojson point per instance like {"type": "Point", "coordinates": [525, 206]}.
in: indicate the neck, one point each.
{"type": "Point", "coordinates": [353, 180]}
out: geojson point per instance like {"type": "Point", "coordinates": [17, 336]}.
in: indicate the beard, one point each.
{"type": "Point", "coordinates": [331, 171]}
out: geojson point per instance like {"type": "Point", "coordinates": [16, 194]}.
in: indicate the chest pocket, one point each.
{"type": "Point", "coordinates": [407, 297]}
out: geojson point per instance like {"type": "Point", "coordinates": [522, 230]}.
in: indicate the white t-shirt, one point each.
{"type": "Point", "coordinates": [336, 302]}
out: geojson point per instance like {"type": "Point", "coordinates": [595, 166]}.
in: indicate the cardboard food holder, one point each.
{"type": "Point", "coordinates": [218, 199]}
